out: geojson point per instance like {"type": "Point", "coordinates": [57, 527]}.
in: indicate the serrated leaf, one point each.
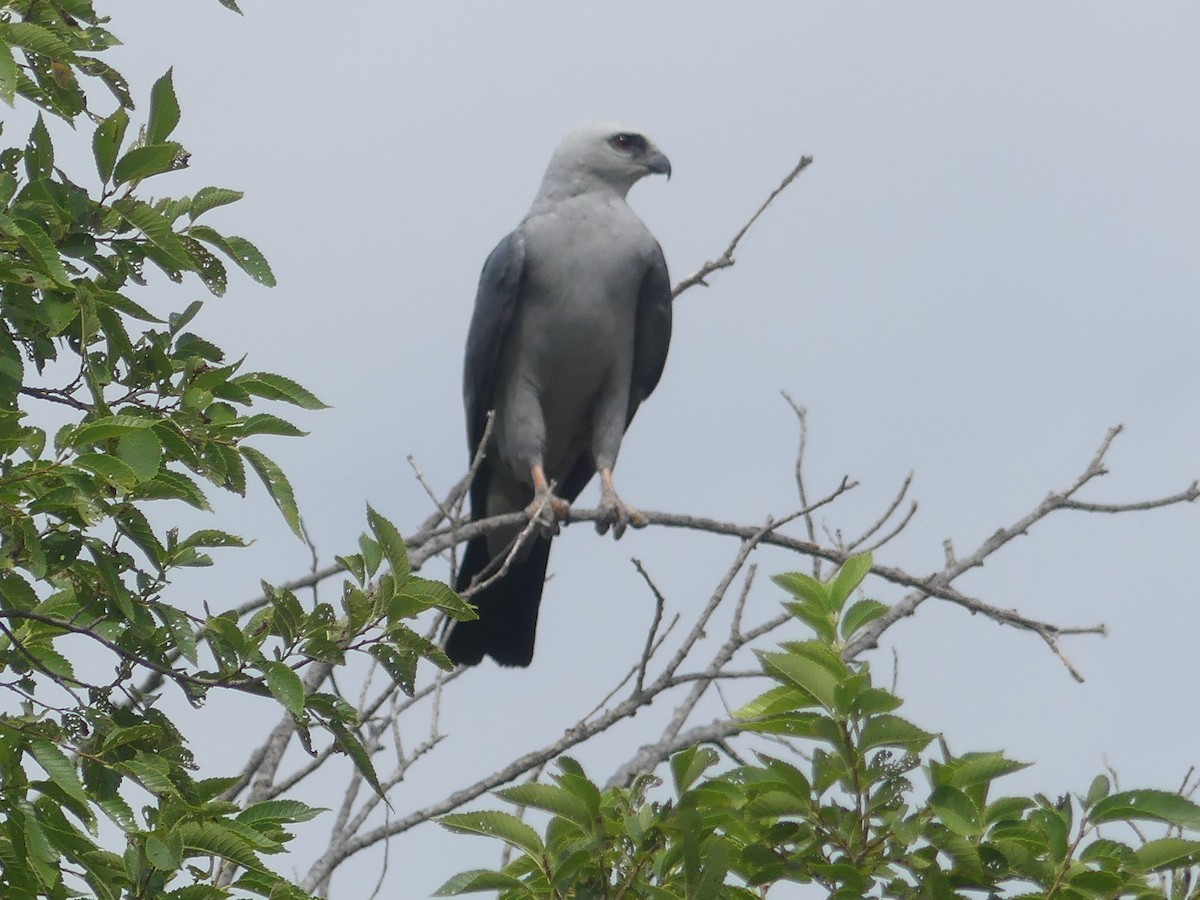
{"type": "Point", "coordinates": [156, 228]}
{"type": "Point", "coordinates": [60, 769]}
{"type": "Point", "coordinates": [213, 839]}
{"type": "Point", "coordinates": [107, 141]}
{"type": "Point", "coordinates": [1098, 790]}
{"type": "Point", "coordinates": [1147, 805]}
{"type": "Point", "coordinates": [210, 198]}
{"type": "Point", "coordinates": [427, 593]}
{"type": "Point", "coordinates": [30, 36]}
{"type": "Point", "coordinates": [395, 551]}
{"type": "Point", "coordinates": [849, 577]}
{"type": "Point", "coordinates": [1168, 853]}
{"type": "Point", "coordinates": [348, 742]}
{"type": "Point", "coordinates": [164, 110]}
{"type": "Point", "coordinates": [148, 161]}
{"type": "Point", "coordinates": [956, 810]}
{"type": "Point", "coordinates": [8, 74]}
{"type": "Point", "coordinates": [132, 523]}
{"type": "Point", "coordinates": [278, 387]}
{"type": "Point", "coordinates": [779, 699]}
{"type": "Point", "coordinates": [552, 799]}
{"type": "Point", "coordinates": [893, 731]}
{"type": "Point", "coordinates": [279, 811]}
{"type": "Point", "coordinates": [41, 249]}
{"type": "Point", "coordinates": [803, 673]}
{"type": "Point", "coordinates": [265, 423]}
{"type": "Point", "coordinates": [285, 685]}
{"type": "Point", "coordinates": [39, 152]}
{"type": "Point", "coordinates": [474, 881]}
{"type": "Point", "coordinates": [107, 427]}
{"type": "Point", "coordinates": [140, 450]}
{"type": "Point", "coordinates": [247, 257]}
{"type": "Point", "coordinates": [401, 665]}
{"type": "Point", "coordinates": [277, 486]}
{"type": "Point", "coordinates": [490, 823]}
{"type": "Point", "coordinates": [123, 304]}
{"type": "Point", "coordinates": [689, 764]}
{"type": "Point", "coordinates": [803, 587]}
{"type": "Point", "coordinates": [16, 592]}
{"type": "Point", "coordinates": [860, 614]}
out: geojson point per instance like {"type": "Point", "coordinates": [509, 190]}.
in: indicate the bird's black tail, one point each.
{"type": "Point", "coordinates": [508, 608]}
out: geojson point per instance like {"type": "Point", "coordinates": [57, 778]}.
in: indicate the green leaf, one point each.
{"type": "Point", "coordinates": [148, 161]}
{"type": "Point", "coordinates": [124, 305]}
{"type": "Point", "coordinates": [265, 423]}
{"type": "Point", "coordinates": [107, 140]}
{"type": "Point", "coordinates": [394, 549]}
{"type": "Point", "coordinates": [29, 36]}
{"type": "Point", "coordinates": [348, 743]}
{"type": "Point", "coordinates": [893, 731]}
{"type": "Point", "coordinates": [688, 765]}
{"type": "Point", "coordinates": [108, 427]}
{"type": "Point", "coordinates": [804, 587]}
{"type": "Point", "coordinates": [210, 198]}
{"type": "Point", "coordinates": [164, 110]}
{"type": "Point", "coordinates": [956, 811]}
{"type": "Point", "coordinates": [552, 799]}
{"type": "Point", "coordinates": [401, 665]}
{"type": "Point", "coordinates": [426, 593]}
{"type": "Point", "coordinates": [500, 825]}
{"type": "Point", "coordinates": [805, 673]}
{"type": "Point", "coordinates": [213, 839]}
{"type": "Point", "coordinates": [156, 228]}
{"type": "Point", "coordinates": [849, 577]}
{"type": "Point", "coordinates": [1147, 805]}
{"type": "Point", "coordinates": [42, 251]}
{"type": "Point", "coordinates": [60, 769]}
{"type": "Point", "coordinates": [8, 74]}
{"type": "Point", "coordinates": [1168, 853]}
{"type": "Point", "coordinates": [277, 387]}
{"type": "Point", "coordinates": [247, 257]}
{"type": "Point", "coordinates": [861, 614]}
{"type": "Point", "coordinates": [39, 153]}
{"type": "Point", "coordinates": [15, 592]}
{"type": "Point", "coordinates": [141, 451]}
{"type": "Point", "coordinates": [277, 486]}
{"type": "Point", "coordinates": [475, 881]}
{"type": "Point", "coordinates": [783, 698]}
{"type": "Point", "coordinates": [279, 811]}
{"type": "Point", "coordinates": [1099, 789]}
{"type": "Point", "coordinates": [284, 685]}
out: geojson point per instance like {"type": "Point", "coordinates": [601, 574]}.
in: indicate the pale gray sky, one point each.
{"type": "Point", "coordinates": [993, 259]}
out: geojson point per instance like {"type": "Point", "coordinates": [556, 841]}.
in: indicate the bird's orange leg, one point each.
{"type": "Point", "coordinates": [614, 512]}
{"type": "Point", "coordinates": [546, 506]}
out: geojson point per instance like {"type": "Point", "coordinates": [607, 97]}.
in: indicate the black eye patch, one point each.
{"type": "Point", "coordinates": [632, 144]}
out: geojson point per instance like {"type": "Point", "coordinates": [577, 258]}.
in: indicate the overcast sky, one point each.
{"type": "Point", "coordinates": [993, 259]}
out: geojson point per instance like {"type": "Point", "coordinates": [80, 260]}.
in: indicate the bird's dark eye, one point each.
{"type": "Point", "coordinates": [632, 144]}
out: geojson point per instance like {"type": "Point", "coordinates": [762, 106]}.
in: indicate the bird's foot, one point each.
{"type": "Point", "coordinates": [547, 510]}
{"type": "Point", "coordinates": [618, 515]}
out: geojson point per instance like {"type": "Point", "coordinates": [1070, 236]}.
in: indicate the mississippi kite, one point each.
{"type": "Point", "coordinates": [570, 332]}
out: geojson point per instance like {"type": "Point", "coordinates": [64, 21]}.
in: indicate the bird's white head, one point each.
{"type": "Point", "coordinates": [602, 156]}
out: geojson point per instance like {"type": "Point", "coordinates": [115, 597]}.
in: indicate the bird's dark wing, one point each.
{"type": "Point", "coordinates": [653, 332]}
{"type": "Point", "coordinates": [495, 302]}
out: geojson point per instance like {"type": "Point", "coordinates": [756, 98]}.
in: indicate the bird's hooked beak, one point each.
{"type": "Point", "coordinates": [659, 164]}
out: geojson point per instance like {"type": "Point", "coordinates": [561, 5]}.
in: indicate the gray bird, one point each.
{"type": "Point", "coordinates": [570, 332]}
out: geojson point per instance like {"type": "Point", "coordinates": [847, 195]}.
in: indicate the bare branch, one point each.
{"type": "Point", "coordinates": [726, 259]}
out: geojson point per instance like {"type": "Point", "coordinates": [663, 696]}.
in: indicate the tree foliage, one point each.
{"type": "Point", "coordinates": [836, 805]}
{"type": "Point", "coordinates": [150, 414]}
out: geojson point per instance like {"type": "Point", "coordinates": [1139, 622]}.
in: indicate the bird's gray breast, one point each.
{"type": "Point", "coordinates": [572, 338]}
